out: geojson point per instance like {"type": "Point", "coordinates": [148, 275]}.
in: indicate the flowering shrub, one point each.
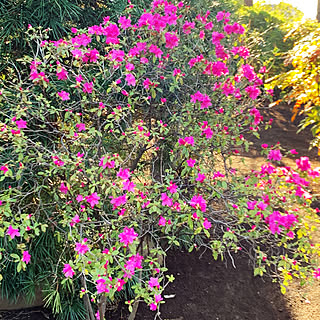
{"type": "Point", "coordinates": [119, 143]}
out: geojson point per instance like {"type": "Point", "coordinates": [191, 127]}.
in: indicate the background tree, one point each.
{"type": "Point", "coordinates": [267, 26]}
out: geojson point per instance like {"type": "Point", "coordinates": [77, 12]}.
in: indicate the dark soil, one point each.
{"type": "Point", "coordinates": [27, 314]}
{"type": "Point", "coordinates": [206, 289]}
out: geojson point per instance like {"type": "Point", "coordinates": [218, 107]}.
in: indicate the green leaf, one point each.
{"type": "Point", "coordinates": [15, 257]}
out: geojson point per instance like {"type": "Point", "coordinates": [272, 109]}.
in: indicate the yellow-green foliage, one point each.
{"type": "Point", "coordinates": [302, 82]}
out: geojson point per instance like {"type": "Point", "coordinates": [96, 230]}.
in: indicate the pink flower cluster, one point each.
{"type": "Point", "coordinates": [202, 98]}
{"type": "Point", "coordinates": [276, 220]}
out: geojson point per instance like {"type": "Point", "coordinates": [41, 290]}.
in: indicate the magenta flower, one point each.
{"type": "Point", "coordinates": [67, 270]}
{"type": "Point", "coordinates": [275, 220]}
{"type": "Point", "coordinates": [75, 219]}
{"type": "Point", "coordinates": [293, 151]}
{"type": "Point", "coordinates": [208, 132]}
{"type": "Point", "coordinates": [13, 232]}
{"type": "Point", "coordinates": [262, 206]}
{"type": "Point", "coordinates": [316, 274]}
{"type": "Point", "coordinates": [4, 169]}
{"type": "Point", "coordinates": [166, 201]}
{"type": "Point", "coordinates": [129, 66]}
{"type": "Point", "coordinates": [81, 40]}
{"type": "Point", "coordinates": [162, 221]}
{"type": "Point", "coordinates": [147, 83]}
{"type": "Point", "coordinates": [62, 75]}
{"type": "Point", "coordinates": [187, 27]}
{"type": "Point", "coordinates": [201, 177]}
{"type": "Point", "coordinates": [26, 257]}
{"type": "Point", "coordinates": [108, 164]}
{"type": "Point", "coordinates": [15, 131]}
{"type": "Point", "coordinates": [216, 37]}
{"type": "Point", "coordinates": [189, 140]}
{"type": "Point", "coordinates": [128, 185]}
{"type": "Point", "coordinates": [63, 188]}
{"type": "Point", "coordinates": [81, 248]}
{"type": "Point", "coordinates": [172, 188]}
{"type": "Point", "coordinates": [101, 286]}
{"type": "Point", "coordinates": [88, 87]}
{"type": "Point", "coordinates": [124, 174]}
{"type": "Point", "coordinates": [124, 22]}
{"type": "Point", "coordinates": [81, 126]}
{"type": "Point", "coordinates": [206, 224]}
{"type": "Point", "coordinates": [153, 306]}
{"type": "Point", "coordinates": [171, 40]}
{"type": "Point", "coordinates": [77, 53]}
{"type": "Point", "coordinates": [153, 282]}
{"type": "Point", "coordinates": [264, 146]}
{"type": "Point", "coordinates": [57, 161]}
{"type": "Point", "coordinates": [303, 163]}
{"type": "Point", "coordinates": [275, 155]}
{"type": "Point", "coordinates": [117, 55]}
{"type": "Point", "coordinates": [119, 201]}
{"type": "Point", "coordinates": [64, 95]}
{"type": "Point", "coordinates": [191, 162]}
{"type": "Point", "coordinates": [79, 78]}
{"type": "Point", "coordinates": [198, 202]}
{"type": "Point", "coordinates": [253, 92]}
{"type": "Point", "coordinates": [79, 198]}
{"type": "Point", "coordinates": [144, 60]}
{"type": "Point", "coordinates": [131, 80]}
{"type": "Point", "coordinates": [127, 236]}
{"type": "Point", "coordinates": [251, 205]}
{"type": "Point", "coordinates": [21, 124]}
{"type": "Point", "coordinates": [134, 262]}
{"type": "Point", "coordinates": [93, 199]}
{"type": "Point", "coordinates": [112, 32]}
{"type": "Point", "coordinates": [157, 298]}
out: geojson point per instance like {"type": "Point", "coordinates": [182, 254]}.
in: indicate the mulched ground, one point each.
{"type": "Point", "coordinates": [206, 289]}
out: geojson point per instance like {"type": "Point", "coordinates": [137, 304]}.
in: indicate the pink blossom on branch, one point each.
{"type": "Point", "coordinates": [128, 236]}
{"type": "Point", "coordinates": [303, 163]}
{"type": "Point", "coordinates": [68, 271]}
{"type": "Point", "coordinates": [21, 124]}
{"type": "Point", "coordinates": [166, 201]}
{"type": "Point", "coordinates": [93, 199]}
{"type": "Point", "coordinates": [63, 188]}
{"type": "Point", "coordinates": [153, 283]}
{"type": "Point", "coordinates": [198, 202]}
{"type": "Point", "coordinates": [124, 22]}
{"type": "Point", "coordinates": [206, 224]}
{"type": "Point", "coordinates": [124, 174]}
{"type": "Point", "coordinates": [81, 127]}
{"type": "Point", "coordinates": [316, 274]}
{"type": "Point", "coordinates": [4, 169]}
{"type": "Point", "coordinates": [171, 40]}
{"type": "Point", "coordinates": [64, 95]}
{"type": "Point", "coordinates": [102, 286]}
{"type": "Point", "coordinates": [275, 155]}
{"type": "Point", "coordinates": [131, 80]}
{"type": "Point", "coordinates": [191, 162]}
{"type": "Point", "coordinates": [87, 87]}
{"type": "Point", "coordinates": [118, 201]}
{"type": "Point", "coordinates": [13, 232]}
{"type": "Point", "coordinates": [26, 257]}
{"type": "Point", "coordinates": [81, 248]}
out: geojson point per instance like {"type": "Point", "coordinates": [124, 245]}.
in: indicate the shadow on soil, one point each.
{"type": "Point", "coordinates": [213, 290]}
{"type": "Point", "coordinates": [284, 131]}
